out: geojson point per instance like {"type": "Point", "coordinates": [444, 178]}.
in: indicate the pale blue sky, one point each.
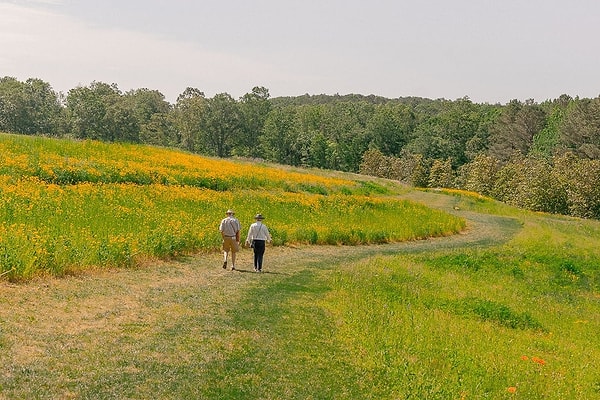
{"type": "Point", "coordinates": [490, 51]}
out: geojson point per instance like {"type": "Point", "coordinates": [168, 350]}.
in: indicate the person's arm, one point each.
{"type": "Point", "coordinates": [249, 236]}
{"type": "Point", "coordinates": [221, 230]}
{"type": "Point", "coordinates": [269, 239]}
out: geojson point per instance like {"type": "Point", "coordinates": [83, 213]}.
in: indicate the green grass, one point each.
{"type": "Point", "coordinates": [68, 206]}
{"type": "Point", "coordinates": [474, 323]}
{"type": "Point", "coordinates": [406, 320]}
{"type": "Point", "coordinates": [508, 309]}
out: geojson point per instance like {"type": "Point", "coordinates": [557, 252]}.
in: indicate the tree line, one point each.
{"type": "Point", "coordinates": [541, 156]}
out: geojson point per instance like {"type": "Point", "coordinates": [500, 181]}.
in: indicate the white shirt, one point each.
{"type": "Point", "coordinates": [258, 231]}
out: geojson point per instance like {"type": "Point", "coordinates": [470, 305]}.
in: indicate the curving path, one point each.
{"type": "Point", "coordinates": [483, 230]}
{"type": "Point", "coordinates": [42, 318]}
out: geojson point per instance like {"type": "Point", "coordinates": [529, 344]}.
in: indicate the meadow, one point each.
{"type": "Point", "coordinates": [509, 308]}
{"type": "Point", "coordinates": [68, 206]}
{"type": "Point", "coordinates": [513, 320]}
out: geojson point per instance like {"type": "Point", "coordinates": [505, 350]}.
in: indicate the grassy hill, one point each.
{"type": "Point", "coordinates": [67, 206]}
{"type": "Point", "coordinates": [508, 308]}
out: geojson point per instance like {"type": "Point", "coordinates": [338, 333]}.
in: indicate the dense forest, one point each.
{"type": "Point", "coordinates": [540, 156]}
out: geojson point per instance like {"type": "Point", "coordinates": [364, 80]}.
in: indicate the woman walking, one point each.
{"type": "Point", "coordinates": [258, 236]}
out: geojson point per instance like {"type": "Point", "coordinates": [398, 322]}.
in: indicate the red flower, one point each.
{"type": "Point", "coordinates": [538, 360]}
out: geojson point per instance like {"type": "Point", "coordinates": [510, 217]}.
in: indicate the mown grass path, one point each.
{"type": "Point", "coordinates": [189, 329]}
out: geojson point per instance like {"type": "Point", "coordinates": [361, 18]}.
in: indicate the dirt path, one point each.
{"type": "Point", "coordinates": [204, 270]}
{"type": "Point", "coordinates": [42, 319]}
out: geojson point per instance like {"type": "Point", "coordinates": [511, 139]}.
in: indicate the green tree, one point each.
{"type": "Point", "coordinates": [508, 179]}
{"type": "Point", "coordinates": [420, 171]}
{"type": "Point", "coordinates": [221, 124]}
{"type": "Point", "coordinates": [441, 174]}
{"type": "Point", "coordinates": [94, 112]}
{"type": "Point", "coordinates": [580, 131]}
{"type": "Point", "coordinates": [122, 122]}
{"type": "Point", "coordinates": [374, 163]}
{"type": "Point", "coordinates": [280, 139]}
{"type": "Point", "coordinates": [150, 110]}
{"type": "Point", "coordinates": [430, 141]}
{"type": "Point", "coordinates": [390, 128]}
{"type": "Point", "coordinates": [254, 109]}
{"type": "Point", "coordinates": [480, 174]}
{"type": "Point", "coordinates": [332, 135]}
{"type": "Point", "coordinates": [531, 183]}
{"type": "Point", "coordinates": [31, 107]}
{"type": "Point", "coordinates": [546, 141]}
{"type": "Point", "coordinates": [160, 131]}
{"type": "Point", "coordinates": [539, 189]}
{"type": "Point", "coordinates": [581, 180]}
{"type": "Point", "coordinates": [456, 131]}
{"type": "Point", "coordinates": [515, 129]}
{"type": "Point", "coordinates": [313, 137]}
{"type": "Point", "coordinates": [350, 137]}
{"type": "Point", "coordinates": [317, 151]}
{"type": "Point", "coordinates": [187, 116]}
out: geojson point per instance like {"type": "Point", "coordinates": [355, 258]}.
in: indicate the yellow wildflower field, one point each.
{"type": "Point", "coordinates": [68, 206]}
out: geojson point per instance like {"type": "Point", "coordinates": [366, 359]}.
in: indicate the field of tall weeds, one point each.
{"type": "Point", "coordinates": [67, 206]}
{"type": "Point", "coordinates": [508, 309]}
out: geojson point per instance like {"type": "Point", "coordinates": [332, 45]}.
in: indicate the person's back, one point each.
{"type": "Point", "coordinates": [258, 236]}
{"type": "Point", "coordinates": [230, 226]}
{"type": "Point", "coordinates": [230, 232]}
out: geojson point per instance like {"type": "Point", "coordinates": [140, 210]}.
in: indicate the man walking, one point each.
{"type": "Point", "coordinates": [230, 231]}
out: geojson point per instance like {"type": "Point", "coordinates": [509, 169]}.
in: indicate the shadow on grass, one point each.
{"type": "Point", "coordinates": [251, 271]}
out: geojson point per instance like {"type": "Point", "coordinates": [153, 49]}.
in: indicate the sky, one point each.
{"type": "Point", "coordinates": [491, 51]}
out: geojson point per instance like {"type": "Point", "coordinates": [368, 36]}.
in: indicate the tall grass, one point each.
{"type": "Point", "coordinates": [447, 319]}
{"type": "Point", "coordinates": [513, 321]}
{"type": "Point", "coordinates": [67, 206]}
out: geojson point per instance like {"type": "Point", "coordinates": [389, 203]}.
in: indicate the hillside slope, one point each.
{"type": "Point", "coordinates": [188, 329]}
{"type": "Point", "coordinates": [115, 296]}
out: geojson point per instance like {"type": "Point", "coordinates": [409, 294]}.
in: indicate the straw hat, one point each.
{"type": "Point", "coordinates": [259, 217]}
{"type": "Point", "coordinates": [230, 211]}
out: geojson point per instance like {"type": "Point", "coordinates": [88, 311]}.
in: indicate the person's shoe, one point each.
{"type": "Point", "coordinates": [233, 268]}
{"type": "Point", "coordinates": [225, 265]}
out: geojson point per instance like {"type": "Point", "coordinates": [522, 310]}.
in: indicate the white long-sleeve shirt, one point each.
{"type": "Point", "coordinates": [258, 231]}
